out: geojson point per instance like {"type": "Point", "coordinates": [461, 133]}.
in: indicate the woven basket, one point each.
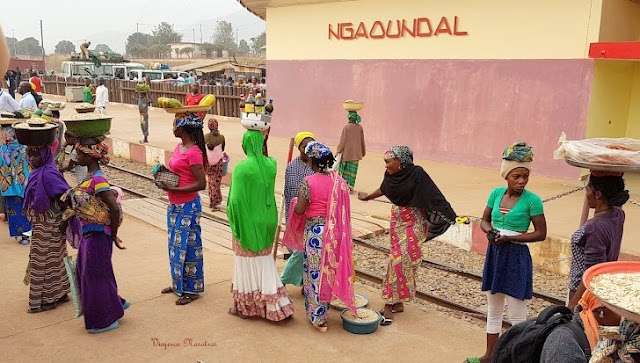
{"type": "Point", "coordinates": [167, 177]}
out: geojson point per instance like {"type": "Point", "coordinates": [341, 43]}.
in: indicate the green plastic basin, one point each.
{"type": "Point", "coordinates": [90, 128]}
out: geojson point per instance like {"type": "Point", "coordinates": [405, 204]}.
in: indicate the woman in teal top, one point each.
{"type": "Point", "coordinates": [508, 269]}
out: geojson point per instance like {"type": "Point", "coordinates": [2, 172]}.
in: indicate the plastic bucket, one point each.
{"type": "Point", "coordinates": [225, 164]}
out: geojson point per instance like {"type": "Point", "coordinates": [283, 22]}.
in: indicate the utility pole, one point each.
{"type": "Point", "coordinates": [15, 41]}
{"type": "Point", "coordinates": [237, 37]}
{"type": "Point", "coordinates": [137, 28]}
{"type": "Point", "coordinates": [200, 33]}
{"type": "Point", "coordinates": [42, 39]}
{"type": "Point", "coordinates": [194, 35]}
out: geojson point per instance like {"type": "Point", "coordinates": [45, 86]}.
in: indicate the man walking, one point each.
{"type": "Point", "coordinates": [10, 77]}
{"type": "Point", "coordinates": [102, 97]}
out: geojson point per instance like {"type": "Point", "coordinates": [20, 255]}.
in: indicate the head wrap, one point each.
{"type": "Point", "coordinates": [44, 183]}
{"type": "Point", "coordinates": [251, 206]}
{"type": "Point", "coordinates": [354, 117]}
{"type": "Point", "coordinates": [213, 124]}
{"type": "Point", "coordinates": [316, 150]}
{"type": "Point", "coordinates": [402, 153]}
{"type": "Point", "coordinates": [517, 155]}
{"type": "Point", "coordinates": [300, 136]}
{"type": "Point", "coordinates": [190, 121]}
{"type": "Point", "coordinates": [97, 151]}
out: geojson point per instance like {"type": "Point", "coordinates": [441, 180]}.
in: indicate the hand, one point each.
{"type": "Point", "coordinates": [362, 196]}
{"type": "Point", "coordinates": [500, 240]}
{"type": "Point", "coordinates": [164, 186]}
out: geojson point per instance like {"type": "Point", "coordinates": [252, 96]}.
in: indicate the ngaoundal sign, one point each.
{"type": "Point", "coordinates": [416, 28]}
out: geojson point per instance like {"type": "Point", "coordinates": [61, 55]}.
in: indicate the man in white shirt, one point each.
{"type": "Point", "coordinates": [7, 103]}
{"type": "Point", "coordinates": [27, 101]}
{"type": "Point", "coordinates": [102, 97]}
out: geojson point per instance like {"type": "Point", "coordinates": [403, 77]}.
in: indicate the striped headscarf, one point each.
{"type": "Point", "coordinates": [402, 153]}
{"type": "Point", "coordinates": [98, 151]}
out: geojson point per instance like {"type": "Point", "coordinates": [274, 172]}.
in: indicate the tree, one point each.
{"type": "Point", "coordinates": [160, 51]}
{"type": "Point", "coordinates": [177, 50]}
{"type": "Point", "coordinates": [188, 51]}
{"type": "Point", "coordinates": [65, 47]}
{"type": "Point", "coordinates": [165, 34]}
{"type": "Point", "coordinates": [138, 39]}
{"type": "Point", "coordinates": [243, 47]}
{"type": "Point", "coordinates": [208, 49]}
{"type": "Point", "coordinates": [223, 37]}
{"type": "Point", "coordinates": [258, 42]}
{"type": "Point", "coordinates": [12, 44]}
{"type": "Point", "coordinates": [137, 50]}
{"type": "Point", "coordinates": [29, 46]}
{"type": "Point", "coordinates": [103, 48]}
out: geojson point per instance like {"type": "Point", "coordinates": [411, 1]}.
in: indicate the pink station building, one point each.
{"type": "Point", "coordinates": [457, 80]}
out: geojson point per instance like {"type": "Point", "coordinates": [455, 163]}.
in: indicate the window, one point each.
{"type": "Point", "coordinates": [153, 76]}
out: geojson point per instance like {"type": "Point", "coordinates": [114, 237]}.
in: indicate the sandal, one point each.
{"type": "Point", "coordinates": [235, 312]}
{"type": "Point", "coordinates": [186, 299]}
{"type": "Point", "coordinates": [472, 360]}
{"type": "Point", "coordinates": [323, 328]}
{"type": "Point", "coordinates": [166, 290]}
{"type": "Point", "coordinates": [385, 321]}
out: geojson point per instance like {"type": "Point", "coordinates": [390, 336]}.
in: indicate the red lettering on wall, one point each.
{"type": "Point", "coordinates": [443, 27]}
{"type": "Point", "coordinates": [421, 27]}
{"type": "Point", "coordinates": [334, 33]}
{"type": "Point", "coordinates": [362, 31]}
{"type": "Point", "coordinates": [346, 31]}
{"type": "Point", "coordinates": [398, 34]}
{"type": "Point", "coordinates": [407, 30]}
{"type": "Point", "coordinates": [382, 34]}
{"type": "Point", "coordinates": [418, 28]}
{"type": "Point", "coordinates": [455, 27]}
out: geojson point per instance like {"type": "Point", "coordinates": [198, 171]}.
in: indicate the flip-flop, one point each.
{"type": "Point", "coordinates": [186, 299]}
{"type": "Point", "coordinates": [126, 304]}
{"type": "Point", "coordinates": [166, 290]}
{"type": "Point", "coordinates": [385, 321]}
{"type": "Point", "coordinates": [472, 360]}
{"type": "Point", "coordinates": [234, 312]}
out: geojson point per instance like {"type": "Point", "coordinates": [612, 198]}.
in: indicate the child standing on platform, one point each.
{"type": "Point", "coordinates": [143, 106]}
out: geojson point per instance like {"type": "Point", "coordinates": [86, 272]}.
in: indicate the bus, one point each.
{"type": "Point", "coordinates": [80, 68]}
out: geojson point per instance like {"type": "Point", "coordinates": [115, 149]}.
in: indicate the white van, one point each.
{"type": "Point", "coordinates": [88, 69]}
{"type": "Point", "coordinates": [156, 75]}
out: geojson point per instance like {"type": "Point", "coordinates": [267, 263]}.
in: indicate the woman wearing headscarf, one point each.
{"type": "Point", "coordinates": [185, 208]}
{"type": "Point", "coordinates": [297, 170]}
{"type": "Point", "coordinates": [508, 269]}
{"type": "Point", "coordinates": [215, 152]}
{"type": "Point", "coordinates": [48, 280]}
{"type": "Point", "coordinates": [320, 226]}
{"type": "Point", "coordinates": [253, 218]}
{"type": "Point", "coordinates": [101, 305]}
{"type": "Point", "coordinates": [420, 213]}
{"type": "Point", "coordinates": [600, 238]}
{"type": "Point", "coordinates": [351, 149]}
{"type": "Point", "coordinates": [14, 173]}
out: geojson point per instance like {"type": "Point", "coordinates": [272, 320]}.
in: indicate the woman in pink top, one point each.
{"type": "Point", "coordinates": [320, 226]}
{"type": "Point", "coordinates": [183, 214]}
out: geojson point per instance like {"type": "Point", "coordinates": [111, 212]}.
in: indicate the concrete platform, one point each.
{"type": "Point", "coordinates": [155, 329]}
{"type": "Point", "coordinates": [467, 188]}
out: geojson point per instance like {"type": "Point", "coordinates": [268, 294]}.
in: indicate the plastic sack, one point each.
{"type": "Point", "coordinates": [336, 163]}
{"type": "Point", "coordinates": [605, 151]}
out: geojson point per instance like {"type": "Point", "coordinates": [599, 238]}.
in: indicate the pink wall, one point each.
{"type": "Point", "coordinates": [457, 111]}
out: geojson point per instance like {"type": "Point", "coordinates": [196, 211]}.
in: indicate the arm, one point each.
{"type": "Point", "coordinates": [485, 223]}
{"type": "Point", "coordinates": [539, 232]}
{"type": "Point", "coordinates": [70, 165]}
{"type": "Point", "coordinates": [114, 211]}
{"type": "Point", "coordinates": [343, 137]}
{"type": "Point", "coordinates": [302, 204]}
{"type": "Point", "coordinates": [577, 296]}
{"type": "Point", "coordinates": [13, 104]}
{"type": "Point", "coordinates": [364, 148]}
{"type": "Point", "coordinates": [200, 184]}
{"type": "Point", "coordinates": [376, 194]}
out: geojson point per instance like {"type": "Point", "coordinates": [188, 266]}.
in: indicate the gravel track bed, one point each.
{"type": "Point", "coordinates": [437, 282]}
{"type": "Point", "coordinates": [543, 281]}
{"type": "Point", "coordinates": [133, 182]}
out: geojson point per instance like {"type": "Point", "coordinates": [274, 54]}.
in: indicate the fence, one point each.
{"type": "Point", "coordinates": [121, 91]}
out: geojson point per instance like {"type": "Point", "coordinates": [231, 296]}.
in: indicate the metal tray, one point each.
{"type": "Point", "coordinates": [605, 167]}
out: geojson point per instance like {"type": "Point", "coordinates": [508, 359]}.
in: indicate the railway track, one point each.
{"type": "Point", "coordinates": [456, 306]}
